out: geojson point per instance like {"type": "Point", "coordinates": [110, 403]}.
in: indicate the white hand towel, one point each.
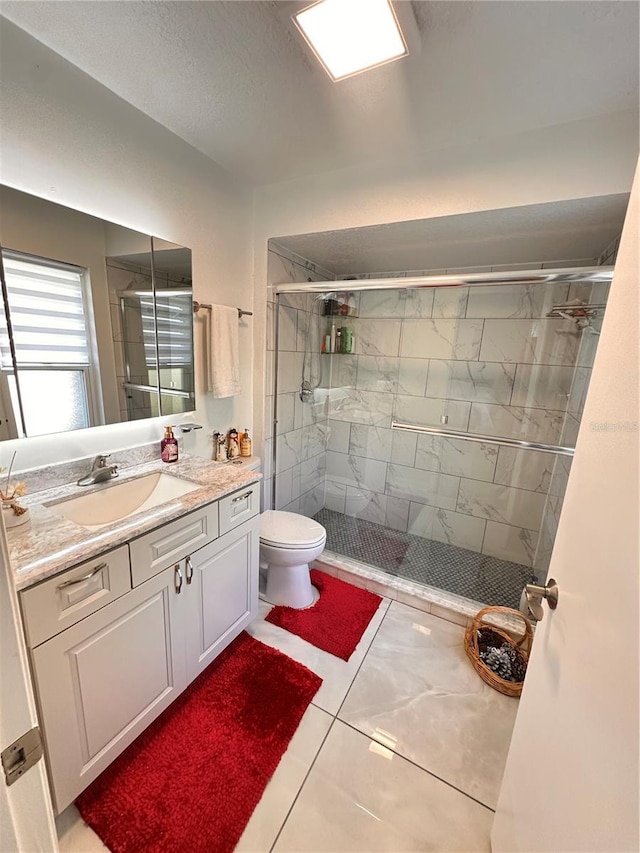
{"type": "Point", "coordinates": [223, 373]}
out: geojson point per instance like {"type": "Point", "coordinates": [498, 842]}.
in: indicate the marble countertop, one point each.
{"type": "Point", "coordinates": [49, 543]}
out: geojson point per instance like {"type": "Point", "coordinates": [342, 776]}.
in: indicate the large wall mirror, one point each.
{"type": "Point", "coordinates": [97, 321]}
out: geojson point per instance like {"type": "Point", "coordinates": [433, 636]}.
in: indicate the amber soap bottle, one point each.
{"type": "Point", "coordinates": [169, 446]}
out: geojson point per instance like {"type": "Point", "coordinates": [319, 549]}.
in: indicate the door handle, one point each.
{"type": "Point", "coordinates": [534, 594]}
{"type": "Point", "coordinates": [189, 567]}
{"type": "Point", "coordinates": [177, 578]}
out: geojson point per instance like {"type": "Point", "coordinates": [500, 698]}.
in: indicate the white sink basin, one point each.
{"type": "Point", "coordinates": [115, 502]}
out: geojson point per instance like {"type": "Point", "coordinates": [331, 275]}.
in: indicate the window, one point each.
{"type": "Point", "coordinates": [52, 344]}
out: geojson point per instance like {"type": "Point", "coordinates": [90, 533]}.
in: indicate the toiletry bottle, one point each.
{"type": "Point", "coordinates": [348, 340]}
{"type": "Point", "coordinates": [333, 338]}
{"type": "Point", "coordinates": [245, 444]}
{"type": "Point", "coordinates": [233, 445]}
{"type": "Point", "coordinates": [339, 340]}
{"type": "Point", "coordinates": [169, 446]}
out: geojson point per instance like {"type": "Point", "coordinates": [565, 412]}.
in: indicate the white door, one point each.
{"type": "Point", "coordinates": [26, 816]}
{"type": "Point", "coordinates": [571, 779]}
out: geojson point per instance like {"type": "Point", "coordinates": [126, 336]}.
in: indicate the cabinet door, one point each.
{"type": "Point", "coordinates": [102, 681]}
{"type": "Point", "coordinates": [222, 594]}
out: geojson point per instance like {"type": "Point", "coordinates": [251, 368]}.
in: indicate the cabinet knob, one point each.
{"type": "Point", "coordinates": [189, 570]}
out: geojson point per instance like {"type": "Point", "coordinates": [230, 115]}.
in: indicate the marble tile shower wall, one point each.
{"type": "Point", "coordinates": [597, 294]}
{"type": "Point", "coordinates": [303, 428]}
{"type": "Point", "coordinates": [484, 360]}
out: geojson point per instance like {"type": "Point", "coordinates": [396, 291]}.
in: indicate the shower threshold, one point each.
{"type": "Point", "coordinates": [437, 565]}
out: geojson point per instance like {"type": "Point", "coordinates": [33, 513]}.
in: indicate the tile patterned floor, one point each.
{"type": "Point", "coordinates": [402, 749]}
{"type": "Point", "coordinates": [438, 564]}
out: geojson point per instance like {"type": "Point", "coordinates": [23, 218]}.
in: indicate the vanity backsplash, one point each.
{"type": "Point", "coordinates": [52, 476]}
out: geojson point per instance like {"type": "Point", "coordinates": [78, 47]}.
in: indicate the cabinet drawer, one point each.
{"type": "Point", "coordinates": [170, 543]}
{"type": "Point", "coordinates": [239, 507]}
{"type": "Point", "coordinates": [63, 600]}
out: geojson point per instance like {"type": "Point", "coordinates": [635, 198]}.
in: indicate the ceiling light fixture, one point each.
{"type": "Point", "coordinates": [351, 36]}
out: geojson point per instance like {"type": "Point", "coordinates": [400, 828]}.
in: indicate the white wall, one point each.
{"type": "Point", "coordinates": [66, 138]}
{"type": "Point", "coordinates": [576, 160]}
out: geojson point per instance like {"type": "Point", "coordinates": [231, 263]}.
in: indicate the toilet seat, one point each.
{"type": "Point", "coordinates": [290, 530]}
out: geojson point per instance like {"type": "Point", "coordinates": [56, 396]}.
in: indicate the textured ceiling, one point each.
{"type": "Point", "coordinates": [236, 81]}
{"type": "Point", "coordinates": [537, 233]}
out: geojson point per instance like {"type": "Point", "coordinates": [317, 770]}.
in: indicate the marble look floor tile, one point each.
{"type": "Point", "coordinates": [360, 796]}
{"type": "Point", "coordinates": [283, 787]}
{"type": "Point", "coordinates": [74, 836]}
{"type": "Point", "coordinates": [336, 674]}
{"type": "Point", "coordinates": [417, 693]}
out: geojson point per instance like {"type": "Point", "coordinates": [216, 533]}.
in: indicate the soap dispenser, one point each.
{"type": "Point", "coordinates": [169, 446]}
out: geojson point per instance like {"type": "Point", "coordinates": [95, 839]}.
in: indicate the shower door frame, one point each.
{"type": "Point", "coordinates": [567, 275]}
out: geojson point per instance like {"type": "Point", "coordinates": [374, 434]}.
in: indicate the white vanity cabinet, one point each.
{"type": "Point", "coordinates": [102, 681]}
{"type": "Point", "coordinates": [105, 667]}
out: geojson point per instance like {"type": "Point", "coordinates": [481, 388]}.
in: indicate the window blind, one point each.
{"type": "Point", "coordinates": [47, 314]}
{"type": "Point", "coordinates": [174, 316]}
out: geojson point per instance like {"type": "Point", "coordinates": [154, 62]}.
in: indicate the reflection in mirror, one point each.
{"type": "Point", "coordinates": [100, 319]}
{"type": "Point", "coordinates": [174, 327]}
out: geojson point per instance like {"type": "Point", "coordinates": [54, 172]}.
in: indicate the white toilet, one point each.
{"type": "Point", "coordinates": [288, 543]}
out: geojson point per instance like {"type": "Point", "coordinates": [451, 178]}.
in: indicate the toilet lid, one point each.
{"type": "Point", "coordinates": [290, 529]}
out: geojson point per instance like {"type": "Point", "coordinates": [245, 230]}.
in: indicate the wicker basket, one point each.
{"type": "Point", "coordinates": [482, 633]}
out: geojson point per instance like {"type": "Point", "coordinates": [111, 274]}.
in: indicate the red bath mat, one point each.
{"type": "Point", "coordinates": [337, 620]}
{"type": "Point", "coordinates": [191, 781]}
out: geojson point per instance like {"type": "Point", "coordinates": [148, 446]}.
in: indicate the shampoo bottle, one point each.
{"type": "Point", "coordinates": [169, 446]}
{"type": "Point", "coordinates": [245, 444]}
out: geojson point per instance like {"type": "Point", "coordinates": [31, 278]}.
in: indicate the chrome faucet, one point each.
{"type": "Point", "coordinates": [99, 472]}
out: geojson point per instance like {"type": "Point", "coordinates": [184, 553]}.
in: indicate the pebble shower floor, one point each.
{"type": "Point", "coordinates": [479, 577]}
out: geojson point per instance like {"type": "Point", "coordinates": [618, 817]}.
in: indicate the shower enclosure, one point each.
{"type": "Point", "coordinates": [429, 423]}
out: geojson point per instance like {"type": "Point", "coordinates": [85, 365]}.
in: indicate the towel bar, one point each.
{"type": "Point", "coordinates": [198, 305]}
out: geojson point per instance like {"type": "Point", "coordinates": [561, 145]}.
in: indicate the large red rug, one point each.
{"type": "Point", "coordinates": [337, 620]}
{"type": "Point", "coordinates": [191, 781]}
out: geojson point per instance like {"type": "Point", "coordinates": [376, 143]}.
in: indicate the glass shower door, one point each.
{"type": "Point", "coordinates": [450, 431]}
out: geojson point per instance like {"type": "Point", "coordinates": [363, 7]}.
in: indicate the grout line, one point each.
{"type": "Point", "coordinates": [418, 766]}
{"type": "Point", "coordinates": [334, 718]}
{"type": "Point", "coordinates": [364, 657]}
{"type": "Point", "coordinates": [295, 799]}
